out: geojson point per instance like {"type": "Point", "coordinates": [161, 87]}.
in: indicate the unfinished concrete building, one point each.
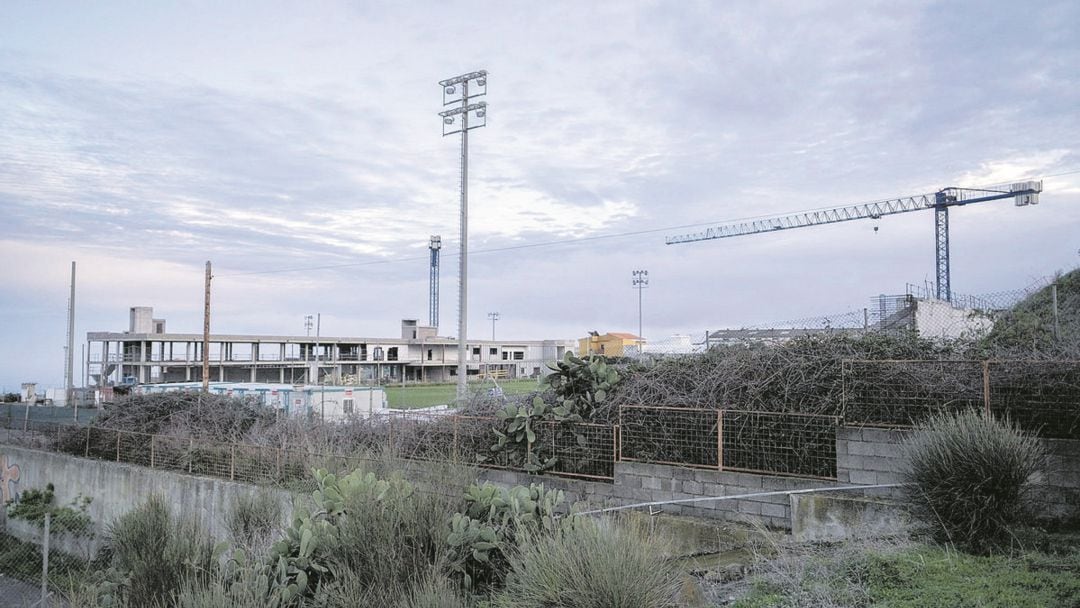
{"type": "Point", "coordinates": [147, 354]}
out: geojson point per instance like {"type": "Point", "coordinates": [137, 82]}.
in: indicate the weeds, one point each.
{"type": "Point", "coordinates": [590, 564]}
{"type": "Point", "coordinates": [150, 554]}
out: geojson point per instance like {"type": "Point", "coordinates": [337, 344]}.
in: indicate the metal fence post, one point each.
{"type": "Point", "coordinates": [191, 454]}
{"type": "Point", "coordinates": [232, 462]}
{"type": "Point", "coordinates": [456, 453]}
{"type": "Point", "coordinates": [86, 453]}
{"type": "Point", "coordinates": [118, 435]}
{"type": "Point", "coordinates": [152, 450]}
{"type": "Point", "coordinates": [45, 563]}
{"type": "Point", "coordinates": [986, 386]}
{"type": "Point", "coordinates": [720, 440]}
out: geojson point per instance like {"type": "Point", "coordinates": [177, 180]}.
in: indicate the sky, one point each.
{"type": "Point", "coordinates": [297, 146]}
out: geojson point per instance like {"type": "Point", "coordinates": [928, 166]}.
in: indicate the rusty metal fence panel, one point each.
{"type": "Point", "coordinates": [1040, 396]}
{"type": "Point", "coordinates": [779, 443]}
{"type": "Point", "coordinates": [669, 435]}
{"type": "Point", "coordinates": [770, 443]}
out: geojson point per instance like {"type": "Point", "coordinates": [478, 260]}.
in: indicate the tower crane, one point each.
{"type": "Point", "coordinates": [1023, 193]}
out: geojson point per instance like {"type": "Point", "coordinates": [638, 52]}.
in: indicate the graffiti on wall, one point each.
{"type": "Point", "coordinates": [9, 476]}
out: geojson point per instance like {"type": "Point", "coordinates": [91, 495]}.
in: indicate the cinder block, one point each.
{"type": "Point", "coordinates": [878, 463]}
{"type": "Point", "coordinates": [751, 507]}
{"type": "Point", "coordinates": [682, 473]}
{"type": "Point", "coordinates": [749, 480]}
{"type": "Point", "coordinates": [772, 510]}
{"type": "Point", "coordinates": [887, 450]}
{"type": "Point", "coordinates": [860, 448]}
{"type": "Point", "coordinates": [888, 477]}
{"type": "Point", "coordinates": [706, 475]}
{"type": "Point", "coordinates": [712, 489]}
{"type": "Point", "coordinates": [863, 478]}
{"type": "Point", "coordinates": [692, 487]}
{"type": "Point", "coordinates": [652, 483]}
{"type": "Point", "coordinates": [628, 481]}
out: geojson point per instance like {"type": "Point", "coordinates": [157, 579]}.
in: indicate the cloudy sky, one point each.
{"type": "Point", "coordinates": [298, 147]}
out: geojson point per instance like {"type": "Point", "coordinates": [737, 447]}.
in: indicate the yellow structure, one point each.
{"type": "Point", "coordinates": [614, 344]}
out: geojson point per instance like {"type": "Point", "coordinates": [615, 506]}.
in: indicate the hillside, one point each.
{"type": "Point", "coordinates": [1029, 326]}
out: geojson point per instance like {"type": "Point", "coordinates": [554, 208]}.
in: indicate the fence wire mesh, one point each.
{"type": "Point", "coordinates": [41, 562]}
{"type": "Point", "coordinates": [901, 393]}
{"type": "Point", "coordinates": [771, 443]}
{"type": "Point", "coordinates": [669, 435]}
{"type": "Point", "coordinates": [802, 445]}
{"type": "Point", "coordinates": [1041, 397]}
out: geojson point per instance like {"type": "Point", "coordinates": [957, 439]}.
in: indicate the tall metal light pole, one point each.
{"type": "Point", "coordinates": [459, 90]}
{"type": "Point", "coordinates": [494, 316]}
{"type": "Point", "coordinates": [641, 281]}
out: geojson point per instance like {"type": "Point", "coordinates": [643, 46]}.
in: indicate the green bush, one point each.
{"type": "Point", "coordinates": [151, 554]}
{"type": "Point", "coordinates": [252, 521]}
{"type": "Point", "coordinates": [481, 536]}
{"type": "Point", "coordinates": [33, 504]}
{"type": "Point", "coordinates": [970, 476]}
{"type": "Point", "coordinates": [590, 564]}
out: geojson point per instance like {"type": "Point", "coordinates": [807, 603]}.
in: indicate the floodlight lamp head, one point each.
{"type": "Point", "coordinates": [448, 120]}
{"type": "Point", "coordinates": [482, 82]}
{"type": "Point", "coordinates": [450, 90]}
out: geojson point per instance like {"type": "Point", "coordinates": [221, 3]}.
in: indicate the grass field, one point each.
{"type": "Point", "coordinates": [427, 395]}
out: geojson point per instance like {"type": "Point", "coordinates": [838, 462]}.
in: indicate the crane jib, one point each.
{"type": "Point", "coordinates": [1025, 193]}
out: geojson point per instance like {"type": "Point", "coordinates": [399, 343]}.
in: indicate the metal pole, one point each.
{"type": "Point", "coordinates": [45, 563]}
{"type": "Point", "coordinates": [494, 316]}
{"type": "Point", "coordinates": [1057, 321]}
{"type": "Point", "coordinates": [206, 333]}
{"type": "Point", "coordinates": [463, 260]}
{"type": "Point", "coordinates": [450, 118]}
{"type": "Point", "coordinates": [69, 363]}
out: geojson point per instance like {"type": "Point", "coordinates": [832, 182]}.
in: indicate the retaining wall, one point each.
{"type": "Point", "coordinates": [864, 457]}
{"type": "Point", "coordinates": [117, 488]}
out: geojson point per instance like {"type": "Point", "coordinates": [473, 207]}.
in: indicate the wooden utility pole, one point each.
{"type": "Point", "coordinates": [206, 335]}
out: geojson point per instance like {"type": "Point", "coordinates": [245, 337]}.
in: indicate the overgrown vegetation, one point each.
{"type": "Point", "coordinates": [363, 540]}
{"type": "Point", "coordinates": [33, 504]}
{"type": "Point", "coordinates": [902, 574]}
{"type": "Point", "coordinates": [149, 554]}
{"type": "Point", "coordinates": [583, 563]}
{"type": "Point", "coordinates": [970, 477]}
{"type": "Point", "coordinates": [1031, 328]}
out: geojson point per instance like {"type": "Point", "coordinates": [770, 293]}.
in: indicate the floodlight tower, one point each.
{"type": "Point", "coordinates": [460, 90]}
{"type": "Point", "coordinates": [433, 290]}
{"type": "Point", "coordinates": [494, 316]}
{"type": "Point", "coordinates": [641, 281]}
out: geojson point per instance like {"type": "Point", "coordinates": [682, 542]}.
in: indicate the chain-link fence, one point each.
{"type": "Point", "coordinates": [13, 413]}
{"type": "Point", "coordinates": [42, 559]}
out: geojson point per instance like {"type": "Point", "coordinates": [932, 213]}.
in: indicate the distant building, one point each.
{"type": "Point", "coordinates": [146, 354]}
{"type": "Point", "coordinates": [326, 402]}
{"type": "Point", "coordinates": [614, 344]}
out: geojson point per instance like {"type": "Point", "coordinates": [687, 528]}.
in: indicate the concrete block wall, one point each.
{"type": "Point", "coordinates": [637, 482]}
{"type": "Point", "coordinates": [1060, 491]}
{"type": "Point", "coordinates": [867, 456]}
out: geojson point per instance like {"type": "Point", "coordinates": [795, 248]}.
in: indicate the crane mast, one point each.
{"type": "Point", "coordinates": [1023, 193]}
